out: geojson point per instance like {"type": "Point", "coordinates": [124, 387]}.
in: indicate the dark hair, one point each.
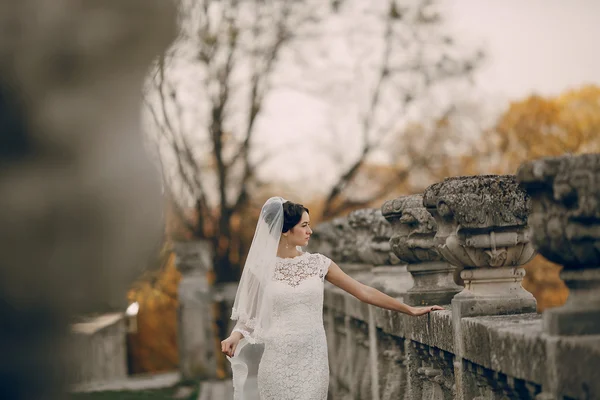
{"type": "Point", "coordinates": [292, 214]}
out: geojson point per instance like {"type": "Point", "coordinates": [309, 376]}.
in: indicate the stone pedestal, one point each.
{"type": "Point", "coordinates": [565, 193]}
{"type": "Point", "coordinates": [412, 241]}
{"type": "Point", "coordinates": [196, 333]}
{"type": "Point", "coordinates": [482, 229]}
{"type": "Point", "coordinates": [433, 284]}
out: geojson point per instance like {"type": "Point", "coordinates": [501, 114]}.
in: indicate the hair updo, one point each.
{"type": "Point", "coordinates": [292, 214]}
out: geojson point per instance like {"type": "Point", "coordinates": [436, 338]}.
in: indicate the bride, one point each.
{"type": "Point", "coordinates": [278, 349]}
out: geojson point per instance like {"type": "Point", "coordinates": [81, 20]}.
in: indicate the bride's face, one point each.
{"type": "Point", "coordinates": [300, 234]}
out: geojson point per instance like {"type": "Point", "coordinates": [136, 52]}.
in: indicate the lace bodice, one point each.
{"type": "Point", "coordinates": [294, 271]}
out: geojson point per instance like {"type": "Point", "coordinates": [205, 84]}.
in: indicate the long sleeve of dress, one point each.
{"type": "Point", "coordinates": [246, 316]}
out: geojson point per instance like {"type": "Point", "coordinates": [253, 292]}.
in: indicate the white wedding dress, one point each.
{"type": "Point", "coordinates": [294, 364]}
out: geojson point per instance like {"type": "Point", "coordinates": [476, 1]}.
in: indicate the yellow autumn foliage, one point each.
{"type": "Point", "coordinates": [538, 127]}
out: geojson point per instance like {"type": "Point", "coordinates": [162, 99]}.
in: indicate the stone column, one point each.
{"type": "Point", "coordinates": [565, 193]}
{"type": "Point", "coordinates": [197, 358]}
{"type": "Point", "coordinates": [412, 241]}
{"type": "Point", "coordinates": [482, 229]}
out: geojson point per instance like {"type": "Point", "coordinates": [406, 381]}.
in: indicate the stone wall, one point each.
{"type": "Point", "coordinates": [463, 243]}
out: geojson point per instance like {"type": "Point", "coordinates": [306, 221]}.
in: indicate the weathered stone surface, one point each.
{"type": "Point", "coordinates": [574, 364]}
{"type": "Point", "coordinates": [413, 242]}
{"type": "Point", "coordinates": [413, 229]}
{"type": "Point", "coordinates": [499, 357]}
{"type": "Point", "coordinates": [506, 344]}
{"type": "Point", "coordinates": [81, 203]}
{"type": "Point", "coordinates": [389, 322]}
{"type": "Point", "coordinates": [434, 329]}
{"type": "Point", "coordinates": [480, 201]}
{"type": "Point", "coordinates": [491, 344]}
{"type": "Point", "coordinates": [372, 234]}
{"type": "Point", "coordinates": [482, 227]}
{"type": "Point", "coordinates": [430, 372]}
{"type": "Point", "coordinates": [391, 367]}
{"type": "Point", "coordinates": [565, 193]}
{"type": "Point", "coordinates": [360, 239]}
{"type": "Point", "coordinates": [482, 220]}
{"type": "Point", "coordinates": [336, 239]}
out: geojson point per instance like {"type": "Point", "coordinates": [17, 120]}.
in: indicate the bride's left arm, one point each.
{"type": "Point", "coordinates": [370, 295]}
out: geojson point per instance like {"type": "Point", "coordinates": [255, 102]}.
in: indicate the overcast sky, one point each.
{"type": "Point", "coordinates": [541, 46]}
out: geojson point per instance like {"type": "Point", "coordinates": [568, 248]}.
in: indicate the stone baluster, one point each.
{"type": "Point", "coordinates": [482, 229]}
{"type": "Point", "coordinates": [565, 193]}
{"type": "Point", "coordinates": [197, 358]}
{"type": "Point", "coordinates": [392, 373]}
{"type": "Point", "coordinates": [412, 241]}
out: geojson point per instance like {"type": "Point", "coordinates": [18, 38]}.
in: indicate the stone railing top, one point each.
{"type": "Point", "coordinates": [480, 201]}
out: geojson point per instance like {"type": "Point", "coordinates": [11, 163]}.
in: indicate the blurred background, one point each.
{"type": "Point", "coordinates": [341, 105]}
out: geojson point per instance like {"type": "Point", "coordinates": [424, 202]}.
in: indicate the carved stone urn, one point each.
{"type": "Point", "coordinates": [482, 229]}
{"type": "Point", "coordinates": [412, 241]}
{"type": "Point", "coordinates": [372, 235]}
{"type": "Point", "coordinates": [565, 194]}
{"type": "Point", "coordinates": [335, 239]}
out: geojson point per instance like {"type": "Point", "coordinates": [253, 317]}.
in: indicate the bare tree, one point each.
{"type": "Point", "coordinates": [414, 56]}
{"type": "Point", "coordinates": [228, 52]}
{"type": "Point", "coordinates": [206, 117]}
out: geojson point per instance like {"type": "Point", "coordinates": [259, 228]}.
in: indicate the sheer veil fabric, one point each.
{"type": "Point", "coordinates": [253, 305]}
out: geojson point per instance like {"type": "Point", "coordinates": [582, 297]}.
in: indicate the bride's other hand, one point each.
{"type": "Point", "coordinates": [417, 311]}
{"type": "Point", "coordinates": [228, 345]}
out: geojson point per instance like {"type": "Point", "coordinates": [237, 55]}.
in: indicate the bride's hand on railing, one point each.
{"type": "Point", "coordinates": [417, 311]}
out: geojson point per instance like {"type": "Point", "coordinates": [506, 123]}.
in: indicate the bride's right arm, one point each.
{"type": "Point", "coordinates": [371, 295]}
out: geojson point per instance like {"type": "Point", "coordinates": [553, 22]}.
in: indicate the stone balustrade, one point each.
{"type": "Point", "coordinates": [489, 342]}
